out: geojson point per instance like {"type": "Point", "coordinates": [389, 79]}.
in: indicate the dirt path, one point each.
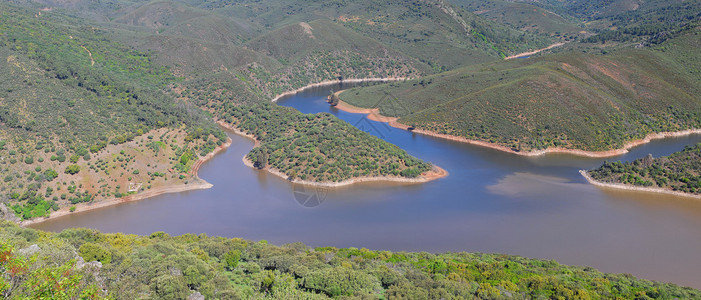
{"type": "Point", "coordinates": [92, 61]}
{"type": "Point", "coordinates": [534, 51]}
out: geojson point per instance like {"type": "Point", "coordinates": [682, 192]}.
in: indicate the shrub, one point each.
{"type": "Point", "coordinates": [94, 252]}
{"type": "Point", "coordinates": [72, 169]}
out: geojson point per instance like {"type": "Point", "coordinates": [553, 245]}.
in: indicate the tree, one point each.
{"type": "Point", "coordinates": [261, 159]}
{"type": "Point", "coordinates": [27, 278]}
{"type": "Point", "coordinates": [94, 252]}
{"type": "Point", "coordinates": [334, 100]}
{"type": "Point", "coordinates": [50, 174]}
{"type": "Point", "coordinates": [231, 259]}
{"type": "Point", "coordinates": [72, 169]}
{"type": "Point", "coordinates": [169, 287]}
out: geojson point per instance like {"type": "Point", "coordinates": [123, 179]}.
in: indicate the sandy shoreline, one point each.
{"type": "Point", "coordinates": [433, 174]}
{"type": "Point", "coordinates": [374, 114]}
{"type": "Point", "coordinates": [330, 82]}
{"type": "Point", "coordinates": [621, 186]}
{"type": "Point", "coordinates": [83, 207]}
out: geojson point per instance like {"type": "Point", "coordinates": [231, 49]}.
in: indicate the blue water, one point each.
{"type": "Point", "coordinates": [494, 202]}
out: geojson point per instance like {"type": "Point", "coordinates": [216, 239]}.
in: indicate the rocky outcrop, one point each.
{"type": "Point", "coordinates": [7, 214]}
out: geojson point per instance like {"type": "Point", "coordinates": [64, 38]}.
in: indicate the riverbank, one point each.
{"type": "Point", "coordinates": [374, 114]}
{"type": "Point", "coordinates": [330, 82]}
{"type": "Point", "coordinates": [621, 186]}
{"type": "Point", "coordinates": [83, 207]}
{"type": "Point", "coordinates": [435, 173]}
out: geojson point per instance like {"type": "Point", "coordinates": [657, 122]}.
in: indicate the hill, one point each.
{"type": "Point", "coordinates": [319, 148]}
{"type": "Point", "coordinates": [449, 36]}
{"type": "Point", "coordinates": [629, 22]}
{"type": "Point", "coordinates": [177, 19]}
{"type": "Point", "coordinates": [679, 172]}
{"type": "Point", "coordinates": [572, 100]}
{"type": "Point", "coordinates": [86, 118]}
{"type": "Point", "coordinates": [79, 114]}
{"type": "Point", "coordinates": [322, 50]}
{"type": "Point", "coordinates": [95, 265]}
{"type": "Point", "coordinates": [526, 16]}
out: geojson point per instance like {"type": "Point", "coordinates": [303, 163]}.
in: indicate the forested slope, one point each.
{"type": "Point", "coordinates": [95, 265]}
{"type": "Point", "coordinates": [319, 147]}
{"type": "Point", "coordinates": [526, 16]}
{"type": "Point", "coordinates": [574, 100]}
{"type": "Point", "coordinates": [82, 116]}
{"type": "Point", "coordinates": [680, 171]}
{"type": "Point", "coordinates": [85, 116]}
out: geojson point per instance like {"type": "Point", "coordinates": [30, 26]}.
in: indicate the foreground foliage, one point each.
{"type": "Point", "coordinates": [680, 171]}
{"type": "Point", "coordinates": [163, 267]}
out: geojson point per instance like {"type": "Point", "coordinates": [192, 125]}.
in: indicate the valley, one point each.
{"type": "Point", "coordinates": [430, 126]}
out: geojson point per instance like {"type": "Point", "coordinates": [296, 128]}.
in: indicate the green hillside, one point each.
{"type": "Point", "coordinates": [86, 117]}
{"type": "Point", "coordinates": [77, 112]}
{"type": "Point", "coordinates": [273, 46]}
{"type": "Point", "coordinates": [572, 99]}
{"type": "Point", "coordinates": [525, 16]}
{"type": "Point", "coordinates": [319, 147]}
{"type": "Point", "coordinates": [628, 21]}
{"type": "Point", "coordinates": [449, 36]}
{"type": "Point", "coordinates": [177, 19]}
{"type": "Point", "coordinates": [99, 88]}
{"type": "Point", "coordinates": [323, 50]}
{"type": "Point", "coordinates": [94, 265]}
{"type": "Point", "coordinates": [680, 171]}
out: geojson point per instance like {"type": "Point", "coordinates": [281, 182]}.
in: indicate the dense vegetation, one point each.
{"type": "Point", "coordinates": [526, 16]}
{"type": "Point", "coordinates": [590, 101]}
{"type": "Point", "coordinates": [94, 111]}
{"type": "Point", "coordinates": [680, 171]}
{"type": "Point", "coordinates": [318, 147]}
{"type": "Point", "coordinates": [79, 113]}
{"type": "Point", "coordinates": [67, 79]}
{"type": "Point", "coordinates": [95, 265]}
{"type": "Point", "coordinates": [101, 99]}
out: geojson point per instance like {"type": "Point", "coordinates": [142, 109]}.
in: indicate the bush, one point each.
{"type": "Point", "coordinates": [94, 252]}
{"type": "Point", "coordinates": [50, 174]}
{"type": "Point", "coordinates": [231, 259]}
{"type": "Point", "coordinates": [72, 169]}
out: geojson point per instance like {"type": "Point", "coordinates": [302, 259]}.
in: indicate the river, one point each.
{"type": "Point", "coordinates": [495, 202]}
